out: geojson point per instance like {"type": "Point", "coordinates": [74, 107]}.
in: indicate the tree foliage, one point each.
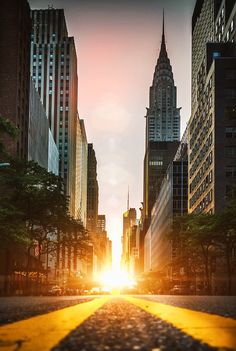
{"type": "Point", "coordinates": [203, 238]}
{"type": "Point", "coordinates": [6, 128]}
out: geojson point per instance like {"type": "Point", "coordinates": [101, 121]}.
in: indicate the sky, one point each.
{"type": "Point", "coordinates": [118, 43]}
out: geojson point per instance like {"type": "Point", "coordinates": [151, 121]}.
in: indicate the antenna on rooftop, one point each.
{"type": "Point", "coordinates": [50, 6]}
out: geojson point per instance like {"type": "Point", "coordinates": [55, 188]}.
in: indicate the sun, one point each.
{"type": "Point", "coordinates": [116, 280]}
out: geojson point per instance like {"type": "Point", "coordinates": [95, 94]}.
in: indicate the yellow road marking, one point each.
{"type": "Point", "coordinates": [45, 331]}
{"type": "Point", "coordinates": [214, 330]}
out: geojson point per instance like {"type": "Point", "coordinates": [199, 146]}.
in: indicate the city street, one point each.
{"type": "Point", "coordinates": [118, 323]}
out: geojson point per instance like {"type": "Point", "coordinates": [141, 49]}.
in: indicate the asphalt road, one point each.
{"type": "Point", "coordinates": [119, 323]}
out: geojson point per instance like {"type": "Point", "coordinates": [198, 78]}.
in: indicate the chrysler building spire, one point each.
{"type": "Point", "coordinates": [163, 28]}
{"type": "Point", "coordinates": [163, 116]}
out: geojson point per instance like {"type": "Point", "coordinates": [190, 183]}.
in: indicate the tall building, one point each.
{"type": "Point", "coordinates": [80, 205]}
{"type": "Point", "coordinates": [158, 156]}
{"type": "Point", "coordinates": [92, 192]}
{"type": "Point", "coordinates": [172, 201]}
{"type": "Point", "coordinates": [15, 29]}
{"type": "Point", "coordinates": [41, 146]}
{"type": "Point", "coordinates": [163, 117]}
{"type": "Point", "coordinates": [212, 127]}
{"type": "Point", "coordinates": [129, 222]}
{"type": "Point", "coordinates": [162, 128]}
{"type": "Point", "coordinates": [101, 224]}
{"type": "Point", "coordinates": [54, 72]}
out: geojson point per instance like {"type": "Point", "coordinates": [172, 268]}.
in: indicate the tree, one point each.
{"type": "Point", "coordinates": [35, 200]}
{"type": "Point", "coordinates": [197, 235]}
{"type": "Point", "coordinates": [6, 128]}
{"type": "Point", "coordinates": [225, 226]}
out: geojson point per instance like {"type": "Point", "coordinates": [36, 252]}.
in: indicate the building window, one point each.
{"type": "Point", "coordinates": [156, 163]}
{"type": "Point", "coordinates": [232, 26]}
{"type": "Point", "coordinates": [230, 151]}
{"type": "Point", "coordinates": [230, 112]}
{"type": "Point", "coordinates": [230, 93]}
{"type": "Point", "coordinates": [230, 132]}
{"type": "Point", "coordinates": [230, 172]}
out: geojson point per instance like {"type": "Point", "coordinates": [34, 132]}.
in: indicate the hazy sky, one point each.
{"type": "Point", "coordinates": [117, 45]}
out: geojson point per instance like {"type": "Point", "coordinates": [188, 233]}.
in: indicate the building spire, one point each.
{"type": "Point", "coordinates": [163, 53]}
{"type": "Point", "coordinates": [128, 200]}
{"type": "Point", "coordinates": [163, 27]}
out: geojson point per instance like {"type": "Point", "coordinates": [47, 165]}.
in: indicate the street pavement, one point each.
{"type": "Point", "coordinates": [126, 323]}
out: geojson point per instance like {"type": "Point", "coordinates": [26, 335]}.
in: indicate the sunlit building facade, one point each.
{"type": "Point", "coordinates": [212, 127]}
{"type": "Point", "coordinates": [129, 227]}
{"type": "Point", "coordinates": [54, 72]}
{"type": "Point", "coordinates": [41, 145]}
{"type": "Point", "coordinates": [80, 205]}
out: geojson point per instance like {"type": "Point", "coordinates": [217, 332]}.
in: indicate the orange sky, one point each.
{"type": "Point", "coordinates": [117, 47]}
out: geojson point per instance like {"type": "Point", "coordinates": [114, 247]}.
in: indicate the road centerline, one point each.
{"type": "Point", "coordinates": [214, 330]}
{"type": "Point", "coordinates": [46, 331]}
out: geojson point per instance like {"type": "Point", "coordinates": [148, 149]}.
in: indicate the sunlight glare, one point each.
{"type": "Point", "coordinates": [116, 280]}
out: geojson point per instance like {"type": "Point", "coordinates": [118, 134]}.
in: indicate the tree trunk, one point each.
{"type": "Point", "coordinates": [27, 290]}
{"type": "Point", "coordinates": [229, 274]}
{"type": "Point", "coordinates": [207, 271]}
{"type": "Point", "coordinates": [7, 272]}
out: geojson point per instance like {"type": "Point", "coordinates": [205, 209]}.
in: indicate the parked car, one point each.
{"type": "Point", "coordinates": [55, 291]}
{"type": "Point", "coordinates": [179, 290]}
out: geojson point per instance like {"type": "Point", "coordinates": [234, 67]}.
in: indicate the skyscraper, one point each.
{"type": "Point", "coordinates": [54, 71]}
{"type": "Point", "coordinates": [80, 209]}
{"type": "Point", "coordinates": [92, 192]}
{"type": "Point", "coordinates": [129, 221]}
{"type": "Point", "coordinates": [163, 117]}
{"type": "Point", "coordinates": [15, 28]}
{"type": "Point", "coordinates": [162, 128]}
{"type": "Point", "coordinates": [212, 127]}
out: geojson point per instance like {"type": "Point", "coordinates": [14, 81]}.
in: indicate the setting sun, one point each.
{"type": "Point", "coordinates": [116, 280]}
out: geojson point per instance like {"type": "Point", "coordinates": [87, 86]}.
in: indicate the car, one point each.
{"type": "Point", "coordinates": [55, 291]}
{"type": "Point", "coordinates": [179, 290]}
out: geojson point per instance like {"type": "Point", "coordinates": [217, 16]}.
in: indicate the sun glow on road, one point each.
{"type": "Point", "coordinates": [116, 280]}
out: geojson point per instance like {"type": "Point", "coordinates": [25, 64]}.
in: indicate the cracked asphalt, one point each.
{"type": "Point", "coordinates": [13, 309]}
{"type": "Point", "coordinates": [119, 325]}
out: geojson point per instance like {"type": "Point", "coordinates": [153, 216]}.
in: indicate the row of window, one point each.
{"type": "Point", "coordinates": [230, 151]}
{"type": "Point", "coordinates": [204, 203]}
{"type": "Point", "coordinates": [230, 172]}
{"type": "Point", "coordinates": [200, 140]}
{"type": "Point", "coordinates": [201, 154]}
{"type": "Point", "coordinates": [205, 166]}
{"type": "Point", "coordinates": [204, 185]}
{"type": "Point", "coordinates": [155, 163]}
{"type": "Point", "coordinates": [200, 119]}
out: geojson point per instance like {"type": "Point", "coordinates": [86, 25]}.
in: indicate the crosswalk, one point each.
{"type": "Point", "coordinates": [46, 331]}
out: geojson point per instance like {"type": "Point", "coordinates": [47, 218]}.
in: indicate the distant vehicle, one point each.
{"type": "Point", "coordinates": [55, 291]}
{"type": "Point", "coordinates": [179, 290]}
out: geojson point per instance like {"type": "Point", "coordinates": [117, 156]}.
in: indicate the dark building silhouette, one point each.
{"type": "Point", "coordinates": [172, 201]}
{"type": "Point", "coordinates": [158, 156]}
{"type": "Point", "coordinates": [15, 28]}
{"type": "Point", "coordinates": [212, 127]}
{"type": "Point", "coordinates": [92, 191]}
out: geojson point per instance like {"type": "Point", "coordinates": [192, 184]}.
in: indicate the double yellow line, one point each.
{"type": "Point", "coordinates": [46, 331]}
{"type": "Point", "coordinates": [214, 330]}
{"type": "Point", "coordinates": [42, 333]}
